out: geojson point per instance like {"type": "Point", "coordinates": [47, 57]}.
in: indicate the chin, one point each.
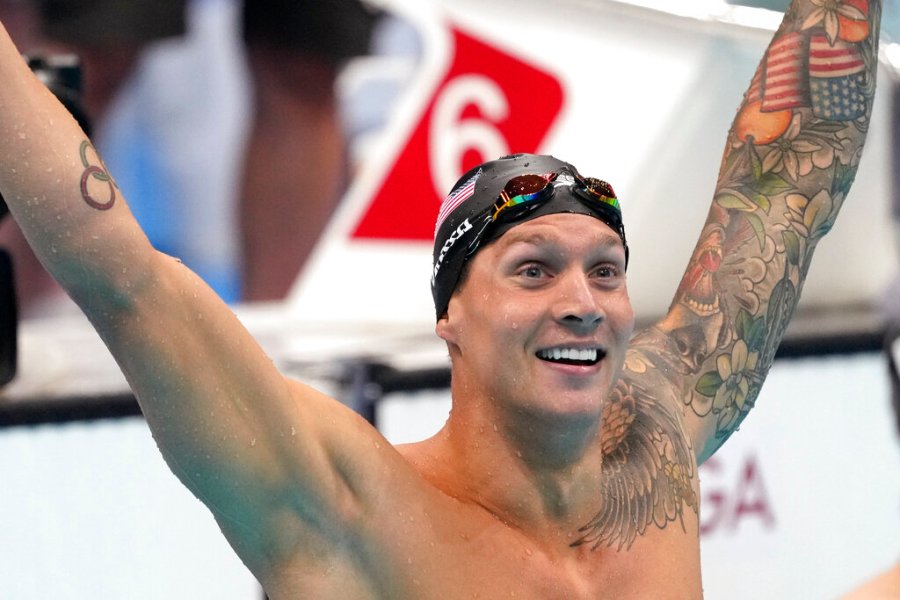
{"type": "Point", "coordinates": [567, 407]}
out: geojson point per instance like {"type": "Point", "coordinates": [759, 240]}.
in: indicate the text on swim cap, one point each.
{"type": "Point", "coordinates": [460, 231]}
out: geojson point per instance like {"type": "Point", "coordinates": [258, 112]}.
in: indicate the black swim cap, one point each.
{"type": "Point", "coordinates": [469, 203]}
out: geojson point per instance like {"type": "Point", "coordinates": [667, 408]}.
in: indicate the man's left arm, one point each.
{"type": "Point", "coordinates": [790, 159]}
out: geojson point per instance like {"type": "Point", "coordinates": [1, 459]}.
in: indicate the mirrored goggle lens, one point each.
{"type": "Point", "coordinates": [521, 190]}
{"type": "Point", "coordinates": [600, 190]}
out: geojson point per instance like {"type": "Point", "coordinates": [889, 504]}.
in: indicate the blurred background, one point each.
{"type": "Point", "coordinates": [294, 154]}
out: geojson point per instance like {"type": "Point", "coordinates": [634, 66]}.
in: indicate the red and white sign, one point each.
{"type": "Point", "coordinates": [489, 103]}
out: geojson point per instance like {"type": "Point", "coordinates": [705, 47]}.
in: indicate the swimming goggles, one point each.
{"type": "Point", "coordinates": [525, 193]}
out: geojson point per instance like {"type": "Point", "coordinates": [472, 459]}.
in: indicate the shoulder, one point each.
{"type": "Point", "coordinates": [646, 405]}
{"type": "Point", "coordinates": [885, 586]}
{"type": "Point", "coordinates": [649, 469]}
{"type": "Point", "coordinates": [656, 374]}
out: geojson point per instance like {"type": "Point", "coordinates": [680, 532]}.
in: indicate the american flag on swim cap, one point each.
{"type": "Point", "coordinates": [456, 197]}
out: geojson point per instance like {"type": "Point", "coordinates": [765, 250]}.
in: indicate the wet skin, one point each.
{"type": "Point", "coordinates": [560, 473]}
{"type": "Point", "coordinates": [492, 504]}
{"type": "Point", "coordinates": [555, 284]}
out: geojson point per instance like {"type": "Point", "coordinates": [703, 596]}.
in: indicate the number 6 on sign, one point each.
{"type": "Point", "coordinates": [451, 134]}
{"type": "Point", "coordinates": [487, 103]}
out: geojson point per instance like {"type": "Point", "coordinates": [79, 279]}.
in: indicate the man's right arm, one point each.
{"type": "Point", "coordinates": [250, 443]}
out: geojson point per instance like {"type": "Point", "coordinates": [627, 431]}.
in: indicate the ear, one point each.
{"type": "Point", "coordinates": [445, 328]}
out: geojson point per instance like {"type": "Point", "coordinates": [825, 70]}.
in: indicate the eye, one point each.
{"type": "Point", "coordinates": [532, 270]}
{"type": "Point", "coordinates": [607, 271]}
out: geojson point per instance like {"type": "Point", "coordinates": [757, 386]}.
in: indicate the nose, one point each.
{"type": "Point", "coordinates": [577, 306]}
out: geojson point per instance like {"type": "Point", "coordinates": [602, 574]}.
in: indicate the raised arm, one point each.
{"type": "Point", "coordinates": [790, 158]}
{"type": "Point", "coordinates": [252, 445]}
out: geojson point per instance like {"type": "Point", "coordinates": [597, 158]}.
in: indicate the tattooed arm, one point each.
{"type": "Point", "coordinates": [790, 158]}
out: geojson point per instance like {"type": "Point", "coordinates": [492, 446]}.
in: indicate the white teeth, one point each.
{"type": "Point", "coordinates": [586, 354]}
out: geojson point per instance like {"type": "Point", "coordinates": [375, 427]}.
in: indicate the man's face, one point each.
{"type": "Point", "coordinates": [542, 321]}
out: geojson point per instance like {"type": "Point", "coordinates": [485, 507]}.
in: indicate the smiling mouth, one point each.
{"type": "Point", "coordinates": [572, 356]}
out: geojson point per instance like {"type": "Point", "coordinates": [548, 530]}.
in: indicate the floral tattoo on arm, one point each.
{"type": "Point", "coordinates": [791, 157]}
{"type": "Point", "coordinates": [792, 154]}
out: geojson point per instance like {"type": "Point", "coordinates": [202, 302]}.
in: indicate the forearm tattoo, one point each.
{"type": "Point", "coordinates": [791, 157]}
{"type": "Point", "coordinates": [97, 187]}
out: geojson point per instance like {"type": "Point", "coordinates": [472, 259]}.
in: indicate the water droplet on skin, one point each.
{"type": "Point", "coordinates": [495, 427]}
{"type": "Point", "coordinates": [377, 446]}
{"type": "Point", "coordinates": [253, 442]}
{"type": "Point", "coordinates": [293, 431]}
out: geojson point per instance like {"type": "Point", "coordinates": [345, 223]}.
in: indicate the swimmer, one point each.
{"type": "Point", "coordinates": [568, 466]}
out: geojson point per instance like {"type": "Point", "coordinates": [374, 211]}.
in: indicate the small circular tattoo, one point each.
{"type": "Point", "coordinates": [99, 174]}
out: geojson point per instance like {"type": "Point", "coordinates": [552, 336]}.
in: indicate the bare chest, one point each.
{"type": "Point", "coordinates": [493, 563]}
